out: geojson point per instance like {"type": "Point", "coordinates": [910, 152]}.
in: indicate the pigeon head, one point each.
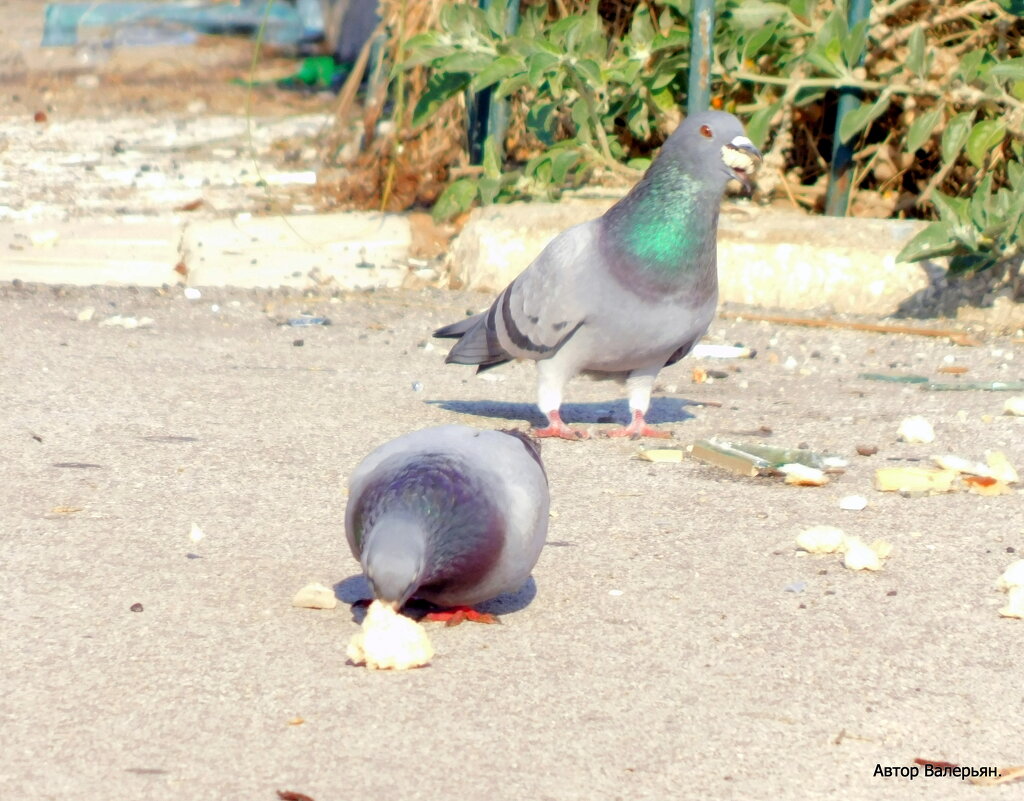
{"type": "Point", "coordinates": [713, 145]}
{"type": "Point", "coordinates": [394, 558]}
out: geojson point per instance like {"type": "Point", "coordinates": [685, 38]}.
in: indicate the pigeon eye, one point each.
{"type": "Point", "coordinates": [705, 131]}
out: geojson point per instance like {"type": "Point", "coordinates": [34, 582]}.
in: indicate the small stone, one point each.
{"type": "Point", "coordinates": [86, 314]}
{"type": "Point", "coordinates": [191, 293]}
{"type": "Point", "coordinates": [867, 450]}
{"type": "Point", "coordinates": [853, 503]}
{"type": "Point", "coordinates": [136, 607]}
{"type": "Point", "coordinates": [417, 386]}
{"type": "Point", "coordinates": [1014, 406]}
{"type": "Point", "coordinates": [315, 596]}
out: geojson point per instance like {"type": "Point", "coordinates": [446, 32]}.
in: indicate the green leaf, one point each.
{"type": "Point", "coordinates": [440, 87]}
{"type": "Point", "coordinates": [488, 189]}
{"type": "Point", "coordinates": [916, 56]}
{"type": "Point", "coordinates": [455, 199]}
{"type": "Point", "coordinates": [1011, 69]}
{"type": "Point", "coordinates": [984, 136]}
{"type": "Point", "coordinates": [491, 159]}
{"type": "Point", "coordinates": [955, 135]}
{"type": "Point", "coordinates": [498, 70]}
{"type": "Point", "coordinates": [757, 40]}
{"type": "Point", "coordinates": [496, 17]}
{"type": "Point", "coordinates": [562, 163]}
{"type": "Point", "coordinates": [759, 121]}
{"type": "Point", "coordinates": [1015, 7]}
{"type": "Point", "coordinates": [541, 122]}
{"type": "Point", "coordinates": [465, 61]}
{"type": "Point", "coordinates": [932, 242]}
{"type": "Point", "coordinates": [590, 71]}
{"type": "Point", "coordinates": [424, 48]}
{"type": "Point", "coordinates": [641, 32]}
{"type": "Point", "coordinates": [970, 65]}
{"type": "Point", "coordinates": [538, 64]}
{"type": "Point", "coordinates": [921, 129]}
{"type": "Point", "coordinates": [861, 117]}
{"type": "Point", "coordinates": [664, 99]}
{"type": "Point", "coordinates": [853, 44]}
{"type": "Point", "coordinates": [971, 262]}
{"type": "Point", "coordinates": [582, 120]}
{"type": "Point", "coordinates": [952, 210]}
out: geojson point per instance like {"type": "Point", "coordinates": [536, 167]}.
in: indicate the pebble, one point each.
{"type": "Point", "coordinates": [853, 503]}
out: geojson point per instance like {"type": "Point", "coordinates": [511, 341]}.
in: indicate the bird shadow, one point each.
{"type": "Point", "coordinates": [355, 591]}
{"type": "Point", "coordinates": [662, 410]}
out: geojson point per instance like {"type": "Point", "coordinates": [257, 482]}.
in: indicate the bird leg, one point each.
{"type": "Point", "coordinates": [457, 614]}
{"type": "Point", "coordinates": [556, 428]}
{"type": "Point", "coordinates": [638, 428]}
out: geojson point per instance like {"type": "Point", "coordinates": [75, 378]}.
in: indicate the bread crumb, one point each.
{"type": "Point", "coordinates": [389, 641]}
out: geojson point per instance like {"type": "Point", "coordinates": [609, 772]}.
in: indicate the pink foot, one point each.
{"type": "Point", "coordinates": [556, 428]}
{"type": "Point", "coordinates": [457, 614]}
{"type": "Point", "coordinates": [638, 428]}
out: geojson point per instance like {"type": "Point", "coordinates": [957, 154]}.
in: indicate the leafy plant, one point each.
{"type": "Point", "coordinates": [594, 88]}
{"type": "Point", "coordinates": [572, 84]}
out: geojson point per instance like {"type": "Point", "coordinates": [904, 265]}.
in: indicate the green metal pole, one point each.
{"type": "Point", "coordinates": [488, 116]}
{"type": "Point", "coordinates": [702, 27]}
{"type": "Point", "coordinates": [837, 197]}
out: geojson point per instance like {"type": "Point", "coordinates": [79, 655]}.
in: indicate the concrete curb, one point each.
{"type": "Point", "coordinates": [766, 257]}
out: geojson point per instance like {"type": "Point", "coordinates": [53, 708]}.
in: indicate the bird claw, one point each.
{"type": "Point", "coordinates": [459, 614]}
{"type": "Point", "coordinates": [562, 430]}
{"type": "Point", "coordinates": [638, 428]}
{"type": "Point", "coordinates": [556, 428]}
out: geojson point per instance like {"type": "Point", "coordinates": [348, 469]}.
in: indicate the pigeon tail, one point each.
{"type": "Point", "coordinates": [476, 345]}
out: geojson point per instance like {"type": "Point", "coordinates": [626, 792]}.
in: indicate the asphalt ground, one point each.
{"type": "Point", "coordinates": [672, 642]}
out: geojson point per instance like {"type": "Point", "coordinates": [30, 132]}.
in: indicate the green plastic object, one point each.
{"type": "Point", "coordinates": [895, 378]}
{"type": "Point", "coordinates": [983, 386]}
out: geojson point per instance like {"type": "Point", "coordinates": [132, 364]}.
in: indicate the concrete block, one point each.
{"type": "Point", "coordinates": [353, 250]}
{"type": "Point", "coordinates": [141, 252]}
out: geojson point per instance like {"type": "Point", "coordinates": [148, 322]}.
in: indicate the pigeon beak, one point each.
{"type": "Point", "coordinates": [741, 161]}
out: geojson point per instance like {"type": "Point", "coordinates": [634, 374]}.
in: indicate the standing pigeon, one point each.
{"type": "Point", "coordinates": [450, 515]}
{"type": "Point", "coordinates": [627, 293]}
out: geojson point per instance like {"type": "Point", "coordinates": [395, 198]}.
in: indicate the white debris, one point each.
{"type": "Point", "coordinates": [916, 430]}
{"type": "Point", "coordinates": [1012, 577]}
{"type": "Point", "coordinates": [196, 533]}
{"type": "Point", "coordinates": [191, 293]}
{"type": "Point", "coordinates": [853, 503]}
{"type": "Point", "coordinates": [315, 596]}
{"type": "Point", "coordinates": [389, 641]}
{"type": "Point", "coordinates": [821, 539]}
{"type": "Point", "coordinates": [86, 314]}
{"type": "Point", "coordinates": [1015, 603]}
{"type": "Point", "coordinates": [859, 556]}
{"type": "Point", "coordinates": [802, 475]}
{"type": "Point", "coordinates": [128, 322]}
{"type": "Point", "coordinates": [1014, 406]}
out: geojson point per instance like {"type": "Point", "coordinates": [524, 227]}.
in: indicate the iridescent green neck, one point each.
{"type": "Point", "coordinates": [664, 223]}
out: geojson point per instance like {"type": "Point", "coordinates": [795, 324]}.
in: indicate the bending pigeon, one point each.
{"type": "Point", "coordinates": [627, 293]}
{"type": "Point", "coordinates": [451, 515]}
